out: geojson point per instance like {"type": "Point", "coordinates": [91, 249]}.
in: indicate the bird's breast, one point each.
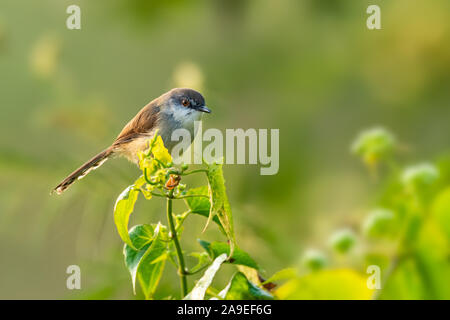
{"type": "Point", "coordinates": [165, 127]}
{"type": "Point", "coordinates": [131, 149]}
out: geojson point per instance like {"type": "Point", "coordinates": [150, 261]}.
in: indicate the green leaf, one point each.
{"type": "Point", "coordinates": [142, 236]}
{"type": "Point", "coordinates": [151, 268]}
{"type": "Point", "coordinates": [240, 288]}
{"type": "Point", "coordinates": [373, 145]}
{"type": "Point", "coordinates": [148, 261]}
{"type": "Point", "coordinates": [251, 274]}
{"type": "Point", "coordinates": [431, 257]}
{"type": "Point", "coordinates": [148, 165]}
{"type": "Point", "coordinates": [342, 241]}
{"type": "Point", "coordinates": [380, 223]}
{"type": "Point", "coordinates": [219, 200]}
{"type": "Point", "coordinates": [420, 176]}
{"type": "Point", "coordinates": [198, 205]}
{"type": "Point", "coordinates": [441, 211]}
{"type": "Point", "coordinates": [201, 205]}
{"type": "Point", "coordinates": [404, 283]}
{"type": "Point", "coordinates": [198, 293]}
{"type": "Point", "coordinates": [314, 259]}
{"type": "Point", "coordinates": [159, 151]}
{"type": "Point", "coordinates": [326, 284]}
{"type": "Point", "coordinates": [240, 257]}
{"type": "Point", "coordinates": [284, 274]}
{"type": "Point", "coordinates": [122, 211]}
{"type": "Point", "coordinates": [203, 260]}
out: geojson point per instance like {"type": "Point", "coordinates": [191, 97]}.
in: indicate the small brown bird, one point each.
{"type": "Point", "coordinates": [178, 108]}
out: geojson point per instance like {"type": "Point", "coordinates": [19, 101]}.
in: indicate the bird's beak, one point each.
{"type": "Point", "coordinates": [203, 109]}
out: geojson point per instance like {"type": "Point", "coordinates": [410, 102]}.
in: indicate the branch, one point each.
{"type": "Point", "coordinates": [181, 265]}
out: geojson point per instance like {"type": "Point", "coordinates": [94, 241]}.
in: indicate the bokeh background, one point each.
{"type": "Point", "coordinates": [310, 68]}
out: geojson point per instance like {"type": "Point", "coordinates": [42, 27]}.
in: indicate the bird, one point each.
{"type": "Point", "coordinates": [178, 108]}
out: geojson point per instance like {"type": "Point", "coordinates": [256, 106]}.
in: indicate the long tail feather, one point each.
{"type": "Point", "coordinates": [82, 171]}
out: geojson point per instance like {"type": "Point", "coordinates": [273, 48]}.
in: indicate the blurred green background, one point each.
{"type": "Point", "coordinates": [310, 68]}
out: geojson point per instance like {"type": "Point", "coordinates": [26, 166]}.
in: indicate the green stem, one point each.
{"type": "Point", "coordinates": [426, 277]}
{"type": "Point", "coordinates": [147, 179]}
{"type": "Point", "coordinates": [181, 221]}
{"type": "Point", "coordinates": [193, 171]}
{"type": "Point", "coordinates": [193, 196]}
{"type": "Point", "coordinates": [181, 265]}
{"type": "Point", "coordinates": [405, 243]}
{"type": "Point", "coordinates": [158, 194]}
{"type": "Point", "coordinates": [161, 163]}
{"type": "Point", "coordinates": [391, 269]}
{"type": "Point", "coordinates": [190, 273]}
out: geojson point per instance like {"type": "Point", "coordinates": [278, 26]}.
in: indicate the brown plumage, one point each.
{"type": "Point", "coordinates": [162, 114]}
{"type": "Point", "coordinates": [140, 125]}
{"type": "Point", "coordinates": [82, 171]}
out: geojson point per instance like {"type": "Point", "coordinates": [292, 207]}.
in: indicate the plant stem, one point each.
{"type": "Point", "coordinates": [181, 221]}
{"type": "Point", "coordinates": [193, 196]}
{"type": "Point", "coordinates": [158, 195]}
{"type": "Point", "coordinates": [181, 265]}
{"type": "Point", "coordinates": [193, 171]}
{"type": "Point", "coordinates": [391, 269]}
{"type": "Point", "coordinates": [406, 241]}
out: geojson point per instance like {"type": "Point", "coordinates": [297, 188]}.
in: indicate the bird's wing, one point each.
{"type": "Point", "coordinates": [142, 123]}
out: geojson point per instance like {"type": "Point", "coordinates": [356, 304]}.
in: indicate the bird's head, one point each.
{"type": "Point", "coordinates": [184, 105]}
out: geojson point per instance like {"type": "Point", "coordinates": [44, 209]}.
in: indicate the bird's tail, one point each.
{"type": "Point", "coordinates": [82, 171]}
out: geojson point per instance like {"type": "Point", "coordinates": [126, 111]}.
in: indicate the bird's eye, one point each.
{"type": "Point", "coordinates": [185, 102]}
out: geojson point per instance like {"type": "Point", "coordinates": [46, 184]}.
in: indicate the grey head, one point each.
{"type": "Point", "coordinates": [180, 108]}
{"type": "Point", "coordinates": [184, 98]}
